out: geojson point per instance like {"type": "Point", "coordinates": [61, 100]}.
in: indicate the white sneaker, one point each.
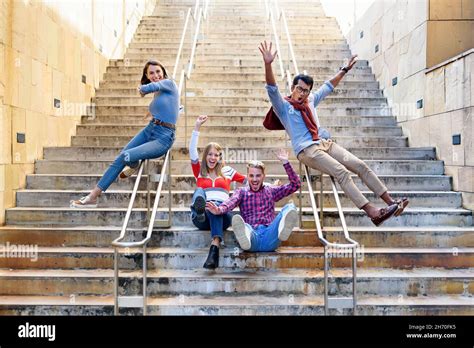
{"type": "Point", "coordinates": [241, 232]}
{"type": "Point", "coordinates": [83, 202]}
{"type": "Point", "coordinates": [128, 172]}
{"type": "Point", "coordinates": [287, 223]}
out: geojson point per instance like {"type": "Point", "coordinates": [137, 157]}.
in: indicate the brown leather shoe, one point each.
{"type": "Point", "coordinates": [402, 204]}
{"type": "Point", "coordinates": [385, 213]}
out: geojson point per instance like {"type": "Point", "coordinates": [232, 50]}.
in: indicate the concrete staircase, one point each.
{"type": "Point", "coordinates": [419, 263]}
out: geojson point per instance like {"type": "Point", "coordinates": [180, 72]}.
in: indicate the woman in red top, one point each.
{"type": "Point", "coordinates": [213, 180]}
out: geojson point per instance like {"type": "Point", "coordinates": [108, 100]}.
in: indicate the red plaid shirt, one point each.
{"type": "Point", "coordinates": [258, 208]}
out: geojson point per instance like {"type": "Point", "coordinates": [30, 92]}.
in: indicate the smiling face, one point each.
{"type": "Point", "coordinates": [212, 158]}
{"type": "Point", "coordinates": [255, 175]}
{"type": "Point", "coordinates": [155, 73]}
{"type": "Point", "coordinates": [300, 92]}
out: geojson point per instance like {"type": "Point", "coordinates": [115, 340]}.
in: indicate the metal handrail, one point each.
{"type": "Point", "coordinates": [318, 220]}
{"type": "Point", "coordinates": [290, 44]}
{"type": "Point", "coordinates": [277, 40]}
{"type": "Point", "coordinates": [193, 49]}
{"type": "Point", "coordinates": [181, 44]}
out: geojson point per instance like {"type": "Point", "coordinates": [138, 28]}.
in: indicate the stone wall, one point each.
{"type": "Point", "coordinates": [53, 50]}
{"type": "Point", "coordinates": [420, 53]}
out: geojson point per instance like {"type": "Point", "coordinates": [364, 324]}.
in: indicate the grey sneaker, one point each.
{"type": "Point", "coordinates": [287, 223]}
{"type": "Point", "coordinates": [241, 232]}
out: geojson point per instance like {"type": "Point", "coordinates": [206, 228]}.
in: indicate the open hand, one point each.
{"type": "Point", "coordinates": [201, 120]}
{"type": "Point", "coordinates": [282, 155]}
{"type": "Point", "coordinates": [268, 56]}
{"type": "Point", "coordinates": [352, 62]}
{"type": "Point", "coordinates": [213, 208]}
{"type": "Point", "coordinates": [139, 91]}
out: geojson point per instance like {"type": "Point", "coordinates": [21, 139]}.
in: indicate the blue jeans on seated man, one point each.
{"type": "Point", "coordinates": [216, 223]}
{"type": "Point", "coordinates": [153, 141]}
{"type": "Point", "coordinates": [265, 237]}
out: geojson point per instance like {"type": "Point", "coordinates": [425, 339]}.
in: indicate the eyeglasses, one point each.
{"type": "Point", "coordinates": [300, 89]}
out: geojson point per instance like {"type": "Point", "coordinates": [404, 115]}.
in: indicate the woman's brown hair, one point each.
{"type": "Point", "coordinates": [220, 164]}
{"type": "Point", "coordinates": [145, 80]}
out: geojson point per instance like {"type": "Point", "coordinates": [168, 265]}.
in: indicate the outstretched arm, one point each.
{"type": "Point", "coordinates": [268, 58]}
{"type": "Point", "coordinates": [281, 192]}
{"type": "Point", "coordinates": [338, 77]}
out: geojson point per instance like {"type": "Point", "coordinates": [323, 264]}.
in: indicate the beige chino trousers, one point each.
{"type": "Point", "coordinates": [332, 159]}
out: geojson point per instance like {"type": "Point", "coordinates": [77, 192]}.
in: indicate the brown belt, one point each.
{"type": "Point", "coordinates": [164, 124]}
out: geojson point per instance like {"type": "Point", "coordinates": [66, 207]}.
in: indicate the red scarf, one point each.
{"type": "Point", "coordinates": [272, 122]}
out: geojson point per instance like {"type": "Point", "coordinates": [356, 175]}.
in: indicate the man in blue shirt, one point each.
{"type": "Point", "coordinates": [297, 116]}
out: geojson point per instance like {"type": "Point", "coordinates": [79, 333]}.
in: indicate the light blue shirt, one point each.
{"type": "Point", "coordinates": [165, 104]}
{"type": "Point", "coordinates": [292, 120]}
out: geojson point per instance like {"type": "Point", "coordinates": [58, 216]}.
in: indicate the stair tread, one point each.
{"type": "Point", "coordinates": [238, 301]}
{"type": "Point", "coordinates": [368, 273]}
{"type": "Point", "coordinates": [230, 251]}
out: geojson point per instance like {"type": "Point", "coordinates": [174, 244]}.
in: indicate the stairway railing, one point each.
{"type": "Point", "coordinates": [329, 247]}
{"type": "Point", "coordinates": [119, 243]}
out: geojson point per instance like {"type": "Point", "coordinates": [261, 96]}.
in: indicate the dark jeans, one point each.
{"type": "Point", "coordinates": [216, 223]}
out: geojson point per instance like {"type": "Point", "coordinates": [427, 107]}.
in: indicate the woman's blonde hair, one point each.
{"type": "Point", "coordinates": [220, 164]}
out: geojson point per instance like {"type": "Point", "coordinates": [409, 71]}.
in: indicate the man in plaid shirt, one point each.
{"type": "Point", "coordinates": [257, 228]}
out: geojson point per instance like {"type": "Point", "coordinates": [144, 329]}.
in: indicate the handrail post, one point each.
{"type": "Point", "coordinates": [185, 111]}
{"type": "Point", "coordinates": [321, 199]}
{"type": "Point", "coordinates": [116, 281]}
{"type": "Point", "coordinates": [301, 200]}
{"type": "Point", "coordinates": [148, 197]}
{"type": "Point", "coordinates": [144, 280]}
{"type": "Point", "coordinates": [169, 192]}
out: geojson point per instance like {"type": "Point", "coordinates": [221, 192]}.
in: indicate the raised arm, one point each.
{"type": "Point", "coordinates": [166, 85]}
{"type": "Point", "coordinates": [272, 89]}
{"type": "Point", "coordinates": [227, 205]}
{"type": "Point", "coordinates": [268, 58]}
{"type": "Point", "coordinates": [338, 77]}
{"type": "Point", "coordinates": [281, 192]}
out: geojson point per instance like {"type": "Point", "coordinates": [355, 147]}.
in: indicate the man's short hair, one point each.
{"type": "Point", "coordinates": [256, 164]}
{"type": "Point", "coordinates": [305, 78]}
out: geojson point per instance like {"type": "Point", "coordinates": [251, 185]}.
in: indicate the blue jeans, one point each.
{"type": "Point", "coordinates": [265, 237]}
{"type": "Point", "coordinates": [216, 223]}
{"type": "Point", "coordinates": [153, 141]}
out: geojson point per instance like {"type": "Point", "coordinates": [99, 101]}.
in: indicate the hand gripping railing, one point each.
{"type": "Point", "coordinates": [329, 247]}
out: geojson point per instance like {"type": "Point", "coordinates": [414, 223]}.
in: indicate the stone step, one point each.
{"type": "Point", "coordinates": [322, 109]}
{"type": "Point", "coordinates": [187, 182]}
{"type": "Point", "coordinates": [183, 198]}
{"type": "Point", "coordinates": [65, 216]}
{"type": "Point", "coordinates": [191, 237]}
{"type": "Point", "coordinates": [126, 77]}
{"type": "Point", "coordinates": [183, 121]}
{"type": "Point", "coordinates": [235, 305]}
{"type": "Point", "coordinates": [379, 282]}
{"type": "Point", "coordinates": [239, 93]}
{"type": "Point", "coordinates": [308, 42]}
{"type": "Point", "coordinates": [84, 153]}
{"type": "Point", "coordinates": [219, 131]}
{"type": "Point", "coordinates": [230, 259]}
{"type": "Point", "coordinates": [245, 141]}
{"type": "Point", "coordinates": [228, 51]}
{"type": "Point", "coordinates": [197, 75]}
{"type": "Point", "coordinates": [231, 40]}
{"type": "Point", "coordinates": [383, 167]}
{"type": "Point", "coordinates": [237, 101]}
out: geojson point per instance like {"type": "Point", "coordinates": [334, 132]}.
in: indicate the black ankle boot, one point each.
{"type": "Point", "coordinates": [212, 261]}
